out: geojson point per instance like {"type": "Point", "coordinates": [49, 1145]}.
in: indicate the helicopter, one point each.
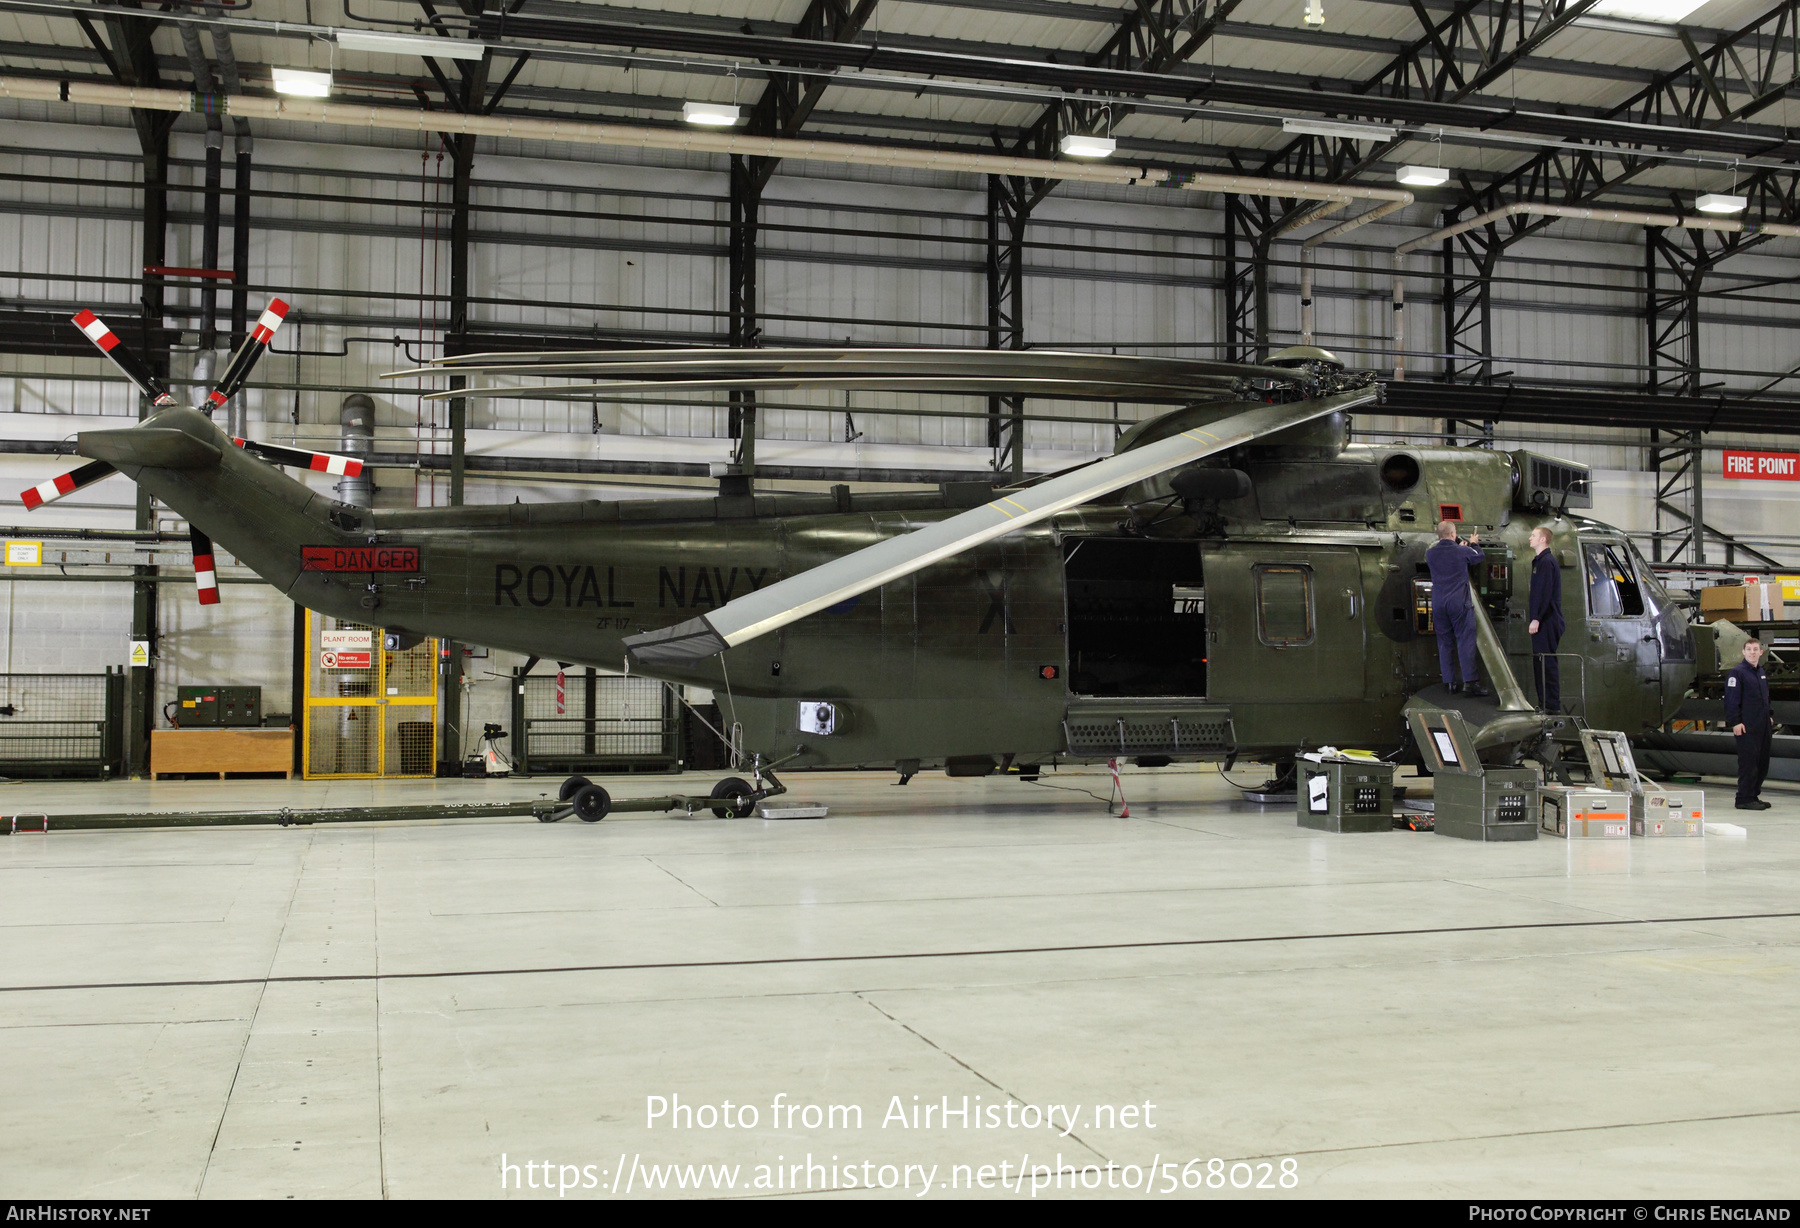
{"type": "Point", "coordinates": [1237, 581]}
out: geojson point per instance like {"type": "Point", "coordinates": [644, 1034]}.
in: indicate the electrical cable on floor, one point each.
{"type": "Point", "coordinates": [1069, 789]}
{"type": "Point", "coordinates": [1234, 784]}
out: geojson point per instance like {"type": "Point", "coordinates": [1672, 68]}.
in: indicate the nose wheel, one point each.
{"type": "Point", "coordinates": [733, 798]}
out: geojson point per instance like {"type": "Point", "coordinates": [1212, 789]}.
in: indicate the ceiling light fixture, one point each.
{"type": "Point", "coordinates": [711, 114]}
{"type": "Point", "coordinates": [1339, 128]}
{"type": "Point", "coordinates": [302, 82]}
{"type": "Point", "coordinates": [1075, 145]}
{"type": "Point", "coordinates": [411, 44]}
{"type": "Point", "coordinates": [1721, 202]}
{"type": "Point", "coordinates": [1423, 176]}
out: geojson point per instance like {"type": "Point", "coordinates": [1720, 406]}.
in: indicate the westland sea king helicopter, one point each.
{"type": "Point", "coordinates": [1238, 581]}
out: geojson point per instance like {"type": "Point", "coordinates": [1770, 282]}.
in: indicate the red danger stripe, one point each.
{"type": "Point", "coordinates": [96, 330]}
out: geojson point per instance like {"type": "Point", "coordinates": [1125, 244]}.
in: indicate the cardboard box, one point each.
{"type": "Point", "coordinates": [1753, 601]}
{"type": "Point", "coordinates": [1724, 601]}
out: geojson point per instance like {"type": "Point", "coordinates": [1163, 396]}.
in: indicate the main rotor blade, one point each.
{"type": "Point", "coordinates": [206, 576]}
{"type": "Point", "coordinates": [795, 360]}
{"type": "Point", "coordinates": [65, 484]}
{"type": "Point", "coordinates": [976, 385]}
{"type": "Point", "coordinates": [255, 342]}
{"type": "Point", "coordinates": [107, 342]}
{"type": "Point", "coordinates": [769, 609]}
{"type": "Point", "coordinates": [318, 462]}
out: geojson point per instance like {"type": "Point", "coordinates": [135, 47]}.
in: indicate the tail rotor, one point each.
{"type": "Point", "coordinates": [237, 373]}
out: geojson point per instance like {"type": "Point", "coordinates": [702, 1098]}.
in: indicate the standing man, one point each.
{"type": "Point", "coordinates": [1449, 561]}
{"type": "Point", "coordinates": [1545, 612]}
{"type": "Point", "coordinates": [1752, 721]}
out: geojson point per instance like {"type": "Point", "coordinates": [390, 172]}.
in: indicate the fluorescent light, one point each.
{"type": "Point", "coordinates": [1334, 127]}
{"type": "Point", "coordinates": [1424, 176]}
{"type": "Point", "coordinates": [1720, 202]}
{"type": "Point", "coordinates": [1077, 146]}
{"type": "Point", "coordinates": [301, 82]}
{"type": "Point", "coordinates": [1665, 12]}
{"type": "Point", "coordinates": [410, 44]}
{"type": "Point", "coordinates": [712, 114]}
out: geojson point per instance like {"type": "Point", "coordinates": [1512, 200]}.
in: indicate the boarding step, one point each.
{"type": "Point", "coordinates": [1161, 725]}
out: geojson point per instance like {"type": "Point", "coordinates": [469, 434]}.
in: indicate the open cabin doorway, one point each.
{"type": "Point", "coordinates": [1136, 616]}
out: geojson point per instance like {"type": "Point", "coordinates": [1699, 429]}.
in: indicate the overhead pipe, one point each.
{"type": "Point", "coordinates": [325, 111]}
{"type": "Point", "coordinates": [1627, 217]}
{"type": "Point", "coordinates": [1313, 244]}
{"type": "Point", "coordinates": [243, 148]}
{"type": "Point", "coordinates": [209, 228]}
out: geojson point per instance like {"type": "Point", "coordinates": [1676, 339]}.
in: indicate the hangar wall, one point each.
{"type": "Point", "coordinates": [633, 249]}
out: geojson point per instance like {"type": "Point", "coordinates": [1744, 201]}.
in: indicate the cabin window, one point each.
{"type": "Point", "coordinates": [1612, 585]}
{"type": "Point", "coordinates": [1284, 605]}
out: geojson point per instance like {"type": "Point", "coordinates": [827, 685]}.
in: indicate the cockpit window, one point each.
{"type": "Point", "coordinates": [1612, 584]}
{"type": "Point", "coordinates": [1671, 621]}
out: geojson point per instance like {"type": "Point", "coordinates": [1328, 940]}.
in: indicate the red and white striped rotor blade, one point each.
{"type": "Point", "coordinates": [206, 576]}
{"type": "Point", "coordinates": [66, 484]}
{"type": "Point", "coordinates": [107, 342]}
{"type": "Point", "coordinates": [261, 333]}
{"type": "Point", "coordinates": [300, 458]}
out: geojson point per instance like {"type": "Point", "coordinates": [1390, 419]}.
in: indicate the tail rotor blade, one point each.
{"type": "Point", "coordinates": [66, 484]}
{"type": "Point", "coordinates": [108, 343]}
{"type": "Point", "coordinates": [255, 343]}
{"type": "Point", "coordinates": [206, 576]}
{"type": "Point", "coordinates": [318, 462]}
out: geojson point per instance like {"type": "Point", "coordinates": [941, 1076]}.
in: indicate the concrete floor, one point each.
{"type": "Point", "coordinates": [390, 1010]}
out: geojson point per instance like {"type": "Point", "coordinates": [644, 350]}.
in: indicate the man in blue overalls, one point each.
{"type": "Point", "coordinates": [1752, 720]}
{"type": "Point", "coordinates": [1545, 612]}
{"type": "Point", "coordinates": [1449, 561]}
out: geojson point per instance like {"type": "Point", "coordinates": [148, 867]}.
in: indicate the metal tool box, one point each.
{"type": "Point", "coordinates": [1345, 795]}
{"type": "Point", "coordinates": [1584, 814]}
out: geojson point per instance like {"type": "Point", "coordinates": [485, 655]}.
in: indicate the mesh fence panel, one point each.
{"type": "Point", "coordinates": [53, 719]}
{"type": "Point", "coordinates": [392, 731]}
{"type": "Point", "coordinates": [343, 741]}
{"type": "Point", "coordinates": [412, 674]}
{"type": "Point", "coordinates": [411, 740]}
{"type": "Point", "coordinates": [618, 719]}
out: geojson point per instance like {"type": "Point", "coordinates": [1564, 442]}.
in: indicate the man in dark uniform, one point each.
{"type": "Point", "coordinates": [1449, 561]}
{"type": "Point", "coordinates": [1545, 612]}
{"type": "Point", "coordinates": [1752, 720]}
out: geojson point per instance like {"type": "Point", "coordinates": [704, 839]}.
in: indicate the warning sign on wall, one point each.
{"type": "Point", "coordinates": [363, 640]}
{"type": "Point", "coordinates": [345, 659]}
{"type": "Point", "coordinates": [1779, 466]}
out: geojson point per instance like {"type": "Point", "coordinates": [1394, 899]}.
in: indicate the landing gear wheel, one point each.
{"type": "Point", "coordinates": [591, 803]}
{"type": "Point", "coordinates": [733, 798]}
{"type": "Point", "coordinates": [571, 787]}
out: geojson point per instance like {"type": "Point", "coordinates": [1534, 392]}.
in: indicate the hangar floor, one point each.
{"type": "Point", "coordinates": [393, 1009]}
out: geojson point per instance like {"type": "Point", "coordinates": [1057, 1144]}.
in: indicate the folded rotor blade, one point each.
{"type": "Point", "coordinates": [108, 343]}
{"type": "Point", "coordinates": [768, 609]}
{"type": "Point", "coordinates": [252, 349]}
{"type": "Point", "coordinates": [300, 458]}
{"type": "Point", "coordinates": [66, 484]}
{"type": "Point", "coordinates": [206, 576]}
